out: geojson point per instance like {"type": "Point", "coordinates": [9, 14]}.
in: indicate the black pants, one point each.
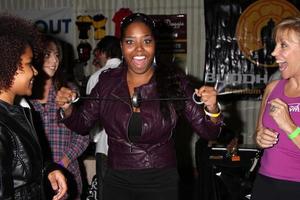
{"type": "Point", "coordinates": [118, 193]}
{"type": "Point", "coordinates": [101, 167]}
{"type": "Point", "coordinates": [270, 188]}
{"type": "Point", "coordinates": [141, 185]}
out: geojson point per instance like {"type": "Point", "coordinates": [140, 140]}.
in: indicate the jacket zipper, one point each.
{"type": "Point", "coordinates": [130, 142]}
{"type": "Point", "coordinates": [130, 107]}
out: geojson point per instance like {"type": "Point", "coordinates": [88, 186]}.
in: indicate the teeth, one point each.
{"type": "Point", "coordinates": [51, 67]}
{"type": "Point", "coordinates": [139, 57]}
{"type": "Point", "coordinates": [279, 61]}
{"type": "Point", "coordinates": [282, 65]}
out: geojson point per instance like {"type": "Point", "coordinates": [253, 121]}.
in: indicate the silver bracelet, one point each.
{"type": "Point", "coordinates": [194, 99]}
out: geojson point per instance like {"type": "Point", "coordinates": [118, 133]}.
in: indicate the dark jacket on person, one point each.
{"type": "Point", "coordinates": [155, 147]}
{"type": "Point", "coordinates": [21, 159]}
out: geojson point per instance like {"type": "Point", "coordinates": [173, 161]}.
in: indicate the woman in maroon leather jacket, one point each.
{"type": "Point", "coordinates": [141, 156]}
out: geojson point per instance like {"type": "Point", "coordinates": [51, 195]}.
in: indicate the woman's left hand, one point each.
{"type": "Point", "coordinates": [208, 96]}
{"type": "Point", "coordinates": [58, 183]}
{"type": "Point", "coordinates": [279, 111]}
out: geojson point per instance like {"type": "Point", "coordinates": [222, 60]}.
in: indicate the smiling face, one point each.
{"type": "Point", "coordinates": [23, 80]}
{"type": "Point", "coordinates": [51, 59]}
{"type": "Point", "coordinates": [138, 48]}
{"type": "Point", "coordinates": [287, 53]}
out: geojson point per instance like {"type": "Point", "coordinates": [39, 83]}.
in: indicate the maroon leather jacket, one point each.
{"type": "Point", "coordinates": [155, 148]}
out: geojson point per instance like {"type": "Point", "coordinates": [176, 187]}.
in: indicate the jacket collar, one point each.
{"type": "Point", "coordinates": [10, 108]}
{"type": "Point", "coordinates": [121, 90]}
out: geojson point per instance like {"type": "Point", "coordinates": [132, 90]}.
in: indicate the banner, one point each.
{"type": "Point", "coordinates": [239, 42]}
{"type": "Point", "coordinates": [57, 22]}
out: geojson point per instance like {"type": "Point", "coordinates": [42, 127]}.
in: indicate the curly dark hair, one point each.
{"type": "Point", "coordinates": [16, 34]}
{"type": "Point", "coordinates": [167, 75]}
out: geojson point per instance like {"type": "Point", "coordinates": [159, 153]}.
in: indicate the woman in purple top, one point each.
{"type": "Point", "coordinates": [278, 131]}
{"type": "Point", "coordinates": [141, 153]}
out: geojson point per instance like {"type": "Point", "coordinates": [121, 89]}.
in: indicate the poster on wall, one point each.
{"type": "Point", "coordinates": [239, 43]}
{"type": "Point", "coordinates": [172, 41]}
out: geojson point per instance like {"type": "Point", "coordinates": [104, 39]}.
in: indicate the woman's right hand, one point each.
{"type": "Point", "coordinates": [266, 138]}
{"type": "Point", "coordinates": [58, 183]}
{"type": "Point", "coordinates": [64, 98]}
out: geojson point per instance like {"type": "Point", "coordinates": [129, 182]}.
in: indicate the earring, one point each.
{"type": "Point", "coordinates": [154, 62]}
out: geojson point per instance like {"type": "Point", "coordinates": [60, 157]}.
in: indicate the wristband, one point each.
{"type": "Point", "coordinates": [294, 134]}
{"type": "Point", "coordinates": [61, 163]}
{"type": "Point", "coordinates": [61, 113]}
{"type": "Point", "coordinates": [215, 115]}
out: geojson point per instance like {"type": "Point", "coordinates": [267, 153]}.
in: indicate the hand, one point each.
{"type": "Point", "coordinates": [209, 97]}
{"type": "Point", "coordinates": [64, 97]}
{"type": "Point", "coordinates": [266, 138]}
{"type": "Point", "coordinates": [58, 183]}
{"type": "Point", "coordinates": [279, 111]}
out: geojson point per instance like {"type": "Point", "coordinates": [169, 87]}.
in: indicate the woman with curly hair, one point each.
{"type": "Point", "coordinates": [22, 168]}
{"type": "Point", "coordinates": [141, 153]}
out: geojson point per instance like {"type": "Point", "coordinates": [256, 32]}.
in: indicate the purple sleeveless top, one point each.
{"type": "Point", "coordinates": [282, 161]}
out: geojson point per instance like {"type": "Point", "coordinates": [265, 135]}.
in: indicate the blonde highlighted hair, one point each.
{"type": "Point", "coordinates": [287, 25]}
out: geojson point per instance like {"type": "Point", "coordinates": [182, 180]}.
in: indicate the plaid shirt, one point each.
{"type": "Point", "coordinates": [62, 140]}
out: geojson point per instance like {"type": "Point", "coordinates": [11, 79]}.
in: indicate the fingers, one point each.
{"type": "Point", "coordinates": [60, 192]}
{"type": "Point", "coordinates": [208, 96]}
{"type": "Point", "coordinates": [64, 97]}
{"type": "Point", "coordinates": [277, 106]}
{"type": "Point", "coordinates": [280, 113]}
{"type": "Point", "coordinates": [206, 90]}
{"type": "Point", "coordinates": [278, 109]}
{"type": "Point", "coordinates": [266, 138]}
{"type": "Point", "coordinates": [58, 184]}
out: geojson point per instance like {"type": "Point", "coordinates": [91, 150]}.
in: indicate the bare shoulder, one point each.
{"type": "Point", "coordinates": [271, 85]}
